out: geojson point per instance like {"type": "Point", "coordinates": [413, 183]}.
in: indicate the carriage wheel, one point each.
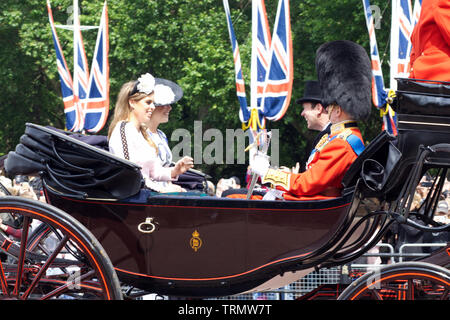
{"type": "Point", "coordinates": [401, 281]}
{"type": "Point", "coordinates": [52, 256]}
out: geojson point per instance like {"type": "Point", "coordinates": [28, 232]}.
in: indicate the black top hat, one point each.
{"type": "Point", "coordinates": [311, 93]}
{"type": "Point", "coordinates": [166, 92]}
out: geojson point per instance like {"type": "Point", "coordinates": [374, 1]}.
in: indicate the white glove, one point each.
{"type": "Point", "coordinates": [260, 164]}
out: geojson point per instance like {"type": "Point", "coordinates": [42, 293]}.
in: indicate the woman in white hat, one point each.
{"type": "Point", "coordinates": [130, 139]}
{"type": "Point", "coordinates": [166, 94]}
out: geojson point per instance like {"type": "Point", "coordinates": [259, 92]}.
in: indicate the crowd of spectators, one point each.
{"type": "Point", "coordinates": [22, 186]}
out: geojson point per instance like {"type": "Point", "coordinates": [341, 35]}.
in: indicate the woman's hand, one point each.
{"type": "Point", "coordinates": [182, 165]}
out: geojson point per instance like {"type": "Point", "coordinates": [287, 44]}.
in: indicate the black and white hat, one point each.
{"type": "Point", "coordinates": [166, 92]}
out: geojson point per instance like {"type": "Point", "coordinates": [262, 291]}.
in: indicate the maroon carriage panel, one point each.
{"type": "Point", "coordinates": [205, 238]}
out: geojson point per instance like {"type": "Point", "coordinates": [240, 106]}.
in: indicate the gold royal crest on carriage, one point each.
{"type": "Point", "coordinates": [196, 242]}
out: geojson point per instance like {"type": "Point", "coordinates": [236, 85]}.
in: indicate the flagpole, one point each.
{"type": "Point", "coordinates": [394, 44]}
{"type": "Point", "coordinates": [76, 101]}
{"type": "Point", "coordinates": [238, 74]}
{"type": "Point", "coordinates": [253, 66]}
{"type": "Point", "coordinates": [82, 28]}
{"type": "Point", "coordinates": [76, 89]}
{"type": "Point", "coordinates": [97, 103]}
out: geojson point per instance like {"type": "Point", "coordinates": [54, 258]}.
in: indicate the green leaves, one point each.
{"type": "Point", "coordinates": [181, 40]}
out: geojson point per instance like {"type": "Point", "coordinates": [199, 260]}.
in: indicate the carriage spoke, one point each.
{"type": "Point", "coordinates": [67, 286]}
{"type": "Point", "coordinates": [58, 259]}
{"type": "Point", "coordinates": [44, 268]}
{"type": "Point", "coordinates": [20, 262]}
{"type": "Point", "coordinates": [43, 249]}
{"type": "Point", "coordinates": [410, 290]}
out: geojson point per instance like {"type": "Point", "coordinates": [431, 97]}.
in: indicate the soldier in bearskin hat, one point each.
{"type": "Point", "coordinates": [345, 78]}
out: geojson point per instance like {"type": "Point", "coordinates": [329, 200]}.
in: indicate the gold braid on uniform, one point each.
{"type": "Point", "coordinates": [277, 178]}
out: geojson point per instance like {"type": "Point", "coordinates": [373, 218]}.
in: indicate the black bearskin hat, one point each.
{"type": "Point", "coordinates": [345, 77]}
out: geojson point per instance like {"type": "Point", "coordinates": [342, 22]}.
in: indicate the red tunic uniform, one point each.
{"type": "Point", "coordinates": [326, 168]}
{"type": "Point", "coordinates": [430, 54]}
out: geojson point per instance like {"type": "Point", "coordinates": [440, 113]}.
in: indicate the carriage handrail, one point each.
{"type": "Point", "coordinates": [404, 220]}
{"type": "Point", "coordinates": [358, 248]}
{"type": "Point", "coordinates": [405, 198]}
{"type": "Point", "coordinates": [362, 244]}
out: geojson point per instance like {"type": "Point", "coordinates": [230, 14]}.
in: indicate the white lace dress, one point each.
{"type": "Point", "coordinates": [140, 152]}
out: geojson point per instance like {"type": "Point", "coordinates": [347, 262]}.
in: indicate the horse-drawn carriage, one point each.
{"type": "Point", "coordinates": [103, 236]}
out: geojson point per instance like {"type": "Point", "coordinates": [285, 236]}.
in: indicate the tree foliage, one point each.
{"type": "Point", "coordinates": [182, 40]}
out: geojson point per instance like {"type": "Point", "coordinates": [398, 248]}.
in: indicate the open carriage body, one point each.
{"type": "Point", "coordinates": [200, 246]}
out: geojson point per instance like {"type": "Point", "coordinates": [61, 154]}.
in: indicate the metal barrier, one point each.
{"type": "Point", "coordinates": [335, 275]}
{"type": "Point", "coordinates": [420, 245]}
{"type": "Point", "coordinates": [295, 289]}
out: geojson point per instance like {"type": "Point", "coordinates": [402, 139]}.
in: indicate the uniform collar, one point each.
{"type": "Point", "coordinates": [338, 127]}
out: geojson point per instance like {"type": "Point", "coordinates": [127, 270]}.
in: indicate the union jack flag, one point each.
{"type": "Point", "coordinates": [379, 93]}
{"type": "Point", "coordinates": [261, 43]}
{"type": "Point", "coordinates": [97, 108]}
{"type": "Point", "coordinates": [70, 111]}
{"type": "Point", "coordinates": [244, 113]}
{"type": "Point", "coordinates": [80, 72]}
{"type": "Point", "coordinates": [271, 67]}
{"type": "Point", "coordinates": [279, 78]}
{"type": "Point", "coordinates": [401, 40]}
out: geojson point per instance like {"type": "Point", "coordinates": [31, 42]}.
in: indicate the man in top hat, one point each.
{"type": "Point", "coordinates": [314, 112]}
{"type": "Point", "coordinates": [345, 78]}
